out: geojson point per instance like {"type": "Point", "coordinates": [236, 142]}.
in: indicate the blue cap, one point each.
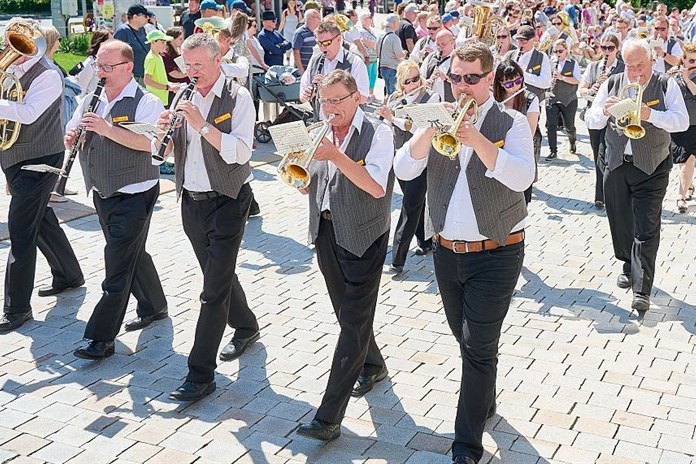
{"type": "Point", "coordinates": [210, 5]}
{"type": "Point", "coordinates": [240, 5]}
{"type": "Point", "coordinates": [454, 13]}
{"type": "Point", "coordinates": [445, 17]}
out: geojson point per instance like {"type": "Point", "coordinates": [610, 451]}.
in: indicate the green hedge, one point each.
{"type": "Point", "coordinates": [25, 6]}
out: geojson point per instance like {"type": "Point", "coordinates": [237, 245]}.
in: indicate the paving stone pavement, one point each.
{"type": "Point", "coordinates": [581, 379]}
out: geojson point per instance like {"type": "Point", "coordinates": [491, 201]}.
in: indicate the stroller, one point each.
{"type": "Point", "coordinates": [280, 84]}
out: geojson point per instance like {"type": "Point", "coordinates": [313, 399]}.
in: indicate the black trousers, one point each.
{"type": "Point", "coordinates": [598, 147]}
{"type": "Point", "coordinates": [411, 219]}
{"type": "Point", "coordinates": [476, 289]}
{"type": "Point", "coordinates": [634, 209]}
{"type": "Point", "coordinates": [353, 285]}
{"type": "Point", "coordinates": [215, 228]}
{"type": "Point", "coordinates": [125, 222]}
{"type": "Point", "coordinates": [553, 110]}
{"type": "Point", "coordinates": [31, 223]}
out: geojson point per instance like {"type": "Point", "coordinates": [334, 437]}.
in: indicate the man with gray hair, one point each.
{"type": "Point", "coordinates": [637, 169]}
{"type": "Point", "coordinates": [212, 148]}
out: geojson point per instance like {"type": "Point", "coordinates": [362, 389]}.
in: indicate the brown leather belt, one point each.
{"type": "Point", "coordinates": [460, 246]}
{"type": "Point", "coordinates": [201, 196]}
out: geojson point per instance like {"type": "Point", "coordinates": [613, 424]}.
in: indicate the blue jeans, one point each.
{"type": "Point", "coordinates": [389, 76]}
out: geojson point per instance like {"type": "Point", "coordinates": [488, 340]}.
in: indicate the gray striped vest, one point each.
{"type": "Point", "coordinates": [226, 179]}
{"type": "Point", "coordinates": [358, 218]}
{"type": "Point", "coordinates": [565, 93]}
{"type": "Point", "coordinates": [400, 136]}
{"type": "Point", "coordinates": [533, 67]}
{"type": "Point", "coordinates": [653, 148]}
{"type": "Point", "coordinates": [45, 135]}
{"type": "Point", "coordinates": [108, 166]}
{"type": "Point", "coordinates": [497, 208]}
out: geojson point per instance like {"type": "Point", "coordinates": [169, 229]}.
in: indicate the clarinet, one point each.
{"type": "Point", "coordinates": [550, 93]}
{"type": "Point", "coordinates": [80, 135]}
{"type": "Point", "coordinates": [176, 119]}
{"type": "Point", "coordinates": [320, 69]}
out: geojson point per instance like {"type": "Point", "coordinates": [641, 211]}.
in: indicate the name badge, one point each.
{"type": "Point", "coordinates": [360, 162]}
{"type": "Point", "coordinates": [500, 143]}
{"type": "Point", "coordinates": [569, 73]}
{"type": "Point", "coordinates": [536, 68]}
{"type": "Point", "coordinates": [223, 117]}
{"type": "Point", "coordinates": [653, 102]}
{"type": "Point", "coordinates": [118, 119]}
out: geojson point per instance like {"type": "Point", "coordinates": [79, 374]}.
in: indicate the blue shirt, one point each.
{"type": "Point", "coordinates": [303, 40]}
{"type": "Point", "coordinates": [136, 39]}
{"type": "Point", "coordinates": [274, 46]}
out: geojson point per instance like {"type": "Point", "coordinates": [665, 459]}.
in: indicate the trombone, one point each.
{"type": "Point", "coordinates": [294, 167]}
{"type": "Point", "coordinates": [447, 143]}
{"type": "Point", "coordinates": [630, 122]}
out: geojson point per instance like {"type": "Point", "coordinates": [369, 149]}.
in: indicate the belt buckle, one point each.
{"type": "Point", "coordinates": [466, 247]}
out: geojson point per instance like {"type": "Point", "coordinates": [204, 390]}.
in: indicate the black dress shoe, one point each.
{"type": "Point", "coordinates": [237, 346]}
{"type": "Point", "coordinates": [624, 281]}
{"type": "Point", "coordinates": [551, 156]}
{"type": "Point", "coordinates": [599, 204]}
{"type": "Point", "coordinates": [142, 322]}
{"type": "Point", "coordinates": [365, 383]}
{"type": "Point", "coordinates": [9, 322]}
{"type": "Point", "coordinates": [491, 411]}
{"type": "Point", "coordinates": [422, 251]}
{"type": "Point", "coordinates": [398, 270]}
{"type": "Point", "coordinates": [573, 148]}
{"type": "Point", "coordinates": [254, 208]}
{"type": "Point", "coordinates": [50, 290]}
{"type": "Point", "coordinates": [321, 430]}
{"type": "Point", "coordinates": [190, 391]}
{"type": "Point", "coordinates": [463, 460]}
{"type": "Point", "coordinates": [95, 350]}
{"type": "Point", "coordinates": [640, 302]}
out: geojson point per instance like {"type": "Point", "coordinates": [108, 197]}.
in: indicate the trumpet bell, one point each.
{"type": "Point", "coordinates": [634, 131]}
{"type": "Point", "coordinates": [292, 171]}
{"type": "Point", "coordinates": [447, 144]}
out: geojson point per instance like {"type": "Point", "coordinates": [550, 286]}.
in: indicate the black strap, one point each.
{"type": "Point", "coordinates": [379, 48]}
{"type": "Point", "coordinates": [142, 44]}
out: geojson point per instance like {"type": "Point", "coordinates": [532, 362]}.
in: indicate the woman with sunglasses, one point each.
{"type": "Point", "coordinates": [595, 74]}
{"type": "Point", "coordinates": [503, 44]}
{"type": "Point", "coordinates": [683, 145]}
{"type": "Point", "coordinates": [410, 89]}
{"type": "Point", "coordinates": [508, 89]}
{"type": "Point", "coordinates": [562, 99]}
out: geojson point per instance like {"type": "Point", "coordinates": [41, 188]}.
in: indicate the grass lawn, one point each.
{"type": "Point", "coordinates": [68, 60]}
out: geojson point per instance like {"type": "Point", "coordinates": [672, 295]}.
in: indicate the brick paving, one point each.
{"type": "Point", "coordinates": [581, 378]}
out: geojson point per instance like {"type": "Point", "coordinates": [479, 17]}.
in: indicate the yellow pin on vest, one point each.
{"type": "Point", "coordinates": [223, 117]}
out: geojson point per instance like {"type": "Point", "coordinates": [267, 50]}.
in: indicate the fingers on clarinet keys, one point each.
{"type": "Point", "coordinates": [95, 350]}
{"type": "Point", "coordinates": [320, 430]}
{"type": "Point", "coordinates": [191, 391]}
{"type": "Point", "coordinates": [10, 322]}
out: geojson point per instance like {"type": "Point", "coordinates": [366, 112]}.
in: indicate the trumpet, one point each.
{"type": "Point", "coordinates": [630, 122]}
{"type": "Point", "coordinates": [294, 167]}
{"type": "Point", "coordinates": [446, 143]}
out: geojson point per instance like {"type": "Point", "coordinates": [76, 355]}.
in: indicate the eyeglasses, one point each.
{"type": "Point", "coordinates": [334, 101]}
{"type": "Point", "coordinates": [660, 28]}
{"type": "Point", "coordinates": [107, 68]}
{"type": "Point", "coordinates": [436, 28]}
{"type": "Point", "coordinates": [194, 66]}
{"type": "Point", "coordinates": [559, 51]}
{"type": "Point", "coordinates": [469, 79]}
{"type": "Point", "coordinates": [501, 37]}
{"type": "Point", "coordinates": [521, 40]}
{"type": "Point", "coordinates": [511, 83]}
{"type": "Point", "coordinates": [608, 48]}
{"type": "Point", "coordinates": [412, 80]}
{"type": "Point", "coordinates": [328, 42]}
{"type": "Point", "coordinates": [556, 24]}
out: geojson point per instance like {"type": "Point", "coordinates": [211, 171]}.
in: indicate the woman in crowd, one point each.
{"type": "Point", "coordinates": [562, 99]}
{"type": "Point", "coordinates": [170, 54]}
{"type": "Point", "coordinates": [289, 19]}
{"type": "Point", "coordinates": [86, 73]}
{"type": "Point", "coordinates": [684, 143]}
{"type": "Point", "coordinates": [368, 40]}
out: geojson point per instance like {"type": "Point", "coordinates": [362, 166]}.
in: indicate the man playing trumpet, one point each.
{"type": "Point", "coordinates": [637, 170]}
{"type": "Point", "coordinates": [476, 209]}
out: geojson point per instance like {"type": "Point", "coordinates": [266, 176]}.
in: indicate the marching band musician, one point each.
{"type": "Point", "coordinates": [669, 52]}
{"type": "Point", "coordinates": [637, 170]}
{"type": "Point", "coordinates": [536, 65]}
{"type": "Point", "coordinates": [595, 75]}
{"type": "Point", "coordinates": [476, 208]}
{"type": "Point", "coordinates": [426, 45]}
{"type": "Point", "coordinates": [410, 89]}
{"type": "Point", "coordinates": [349, 215]}
{"type": "Point", "coordinates": [31, 222]}
{"type": "Point", "coordinates": [124, 182]}
{"type": "Point", "coordinates": [563, 100]}
{"type": "Point", "coordinates": [435, 68]}
{"type": "Point", "coordinates": [212, 148]}
{"type": "Point", "coordinates": [503, 44]}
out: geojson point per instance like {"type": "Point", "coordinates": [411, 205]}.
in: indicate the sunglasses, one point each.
{"type": "Point", "coordinates": [556, 24]}
{"type": "Point", "coordinates": [501, 37]}
{"type": "Point", "coordinates": [328, 42]}
{"type": "Point", "coordinates": [559, 51]}
{"type": "Point", "coordinates": [469, 79]}
{"type": "Point", "coordinates": [436, 28]}
{"type": "Point", "coordinates": [660, 28]}
{"type": "Point", "coordinates": [608, 48]}
{"type": "Point", "coordinates": [510, 84]}
{"type": "Point", "coordinates": [412, 80]}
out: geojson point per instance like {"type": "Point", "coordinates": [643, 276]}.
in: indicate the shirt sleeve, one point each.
{"type": "Point", "coordinates": [586, 76]}
{"type": "Point", "coordinates": [534, 106]}
{"type": "Point", "coordinates": [379, 159]}
{"type": "Point", "coordinates": [297, 40]}
{"type": "Point", "coordinates": [515, 166]}
{"type": "Point", "coordinates": [235, 146]}
{"type": "Point", "coordinates": [405, 167]}
{"type": "Point", "coordinates": [675, 117]}
{"type": "Point", "coordinates": [595, 117]}
{"type": "Point", "coordinates": [359, 72]}
{"type": "Point", "coordinates": [84, 77]}
{"type": "Point", "coordinates": [576, 72]}
{"type": "Point", "coordinates": [44, 90]}
{"type": "Point", "coordinates": [149, 109]}
{"type": "Point", "coordinates": [240, 69]}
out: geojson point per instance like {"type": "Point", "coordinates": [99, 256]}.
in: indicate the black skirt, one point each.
{"type": "Point", "coordinates": [683, 145]}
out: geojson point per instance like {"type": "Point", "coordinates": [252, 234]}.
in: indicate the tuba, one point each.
{"type": "Point", "coordinates": [446, 143]}
{"type": "Point", "coordinates": [630, 123]}
{"type": "Point", "coordinates": [486, 24]}
{"type": "Point", "coordinates": [22, 38]}
{"type": "Point", "coordinates": [294, 167]}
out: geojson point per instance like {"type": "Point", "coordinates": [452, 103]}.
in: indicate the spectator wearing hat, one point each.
{"type": "Point", "coordinates": [448, 22]}
{"type": "Point", "coordinates": [238, 5]}
{"type": "Point", "coordinates": [189, 17]}
{"type": "Point", "coordinates": [453, 26]}
{"type": "Point", "coordinates": [210, 8]}
{"type": "Point", "coordinates": [274, 45]}
{"type": "Point", "coordinates": [156, 81]}
{"type": "Point", "coordinates": [389, 54]}
{"type": "Point", "coordinates": [406, 31]}
{"type": "Point", "coordinates": [133, 33]}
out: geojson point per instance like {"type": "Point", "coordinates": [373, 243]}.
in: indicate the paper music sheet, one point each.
{"type": "Point", "coordinates": [621, 109]}
{"type": "Point", "coordinates": [290, 137]}
{"type": "Point", "coordinates": [427, 115]}
{"type": "Point", "coordinates": [43, 168]}
{"type": "Point", "coordinates": [179, 60]}
{"type": "Point", "coordinates": [141, 128]}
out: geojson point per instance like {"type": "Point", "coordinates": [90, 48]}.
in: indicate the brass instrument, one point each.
{"type": "Point", "coordinates": [545, 44]}
{"type": "Point", "coordinates": [446, 143]}
{"type": "Point", "coordinates": [294, 167]}
{"type": "Point", "coordinates": [21, 39]}
{"type": "Point", "coordinates": [343, 22]}
{"type": "Point", "coordinates": [486, 24]}
{"type": "Point", "coordinates": [630, 123]}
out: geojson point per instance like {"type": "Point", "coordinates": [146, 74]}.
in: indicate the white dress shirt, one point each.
{"type": "Point", "coordinates": [543, 80]}
{"type": "Point", "coordinates": [514, 168]}
{"type": "Point", "coordinates": [576, 69]}
{"type": "Point", "coordinates": [378, 160]}
{"type": "Point", "coordinates": [44, 90]}
{"type": "Point", "coordinates": [238, 69]}
{"type": "Point", "coordinates": [586, 77]}
{"type": "Point", "coordinates": [674, 119]}
{"type": "Point", "coordinates": [235, 146]}
{"type": "Point", "coordinates": [358, 71]}
{"type": "Point", "coordinates": [401, 122]}
{"type": "Point", "coordinates": [438, 84]}
{"type": "Point", "coordinates": [147, 112]}
{"type": "Point", "coordinates": [659, 65]}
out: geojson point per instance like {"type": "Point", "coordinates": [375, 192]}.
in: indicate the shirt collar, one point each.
{"type": "Point", "coordinates": [128, 91]}
{"type": "Point", "coordinates": [219, 86]}
{"type": "Point", "coordinates": [22, 69]}
{"type": "Point", "coordinates": [339, 56]}
{"type": "Point", "coordinates": [358, 120]}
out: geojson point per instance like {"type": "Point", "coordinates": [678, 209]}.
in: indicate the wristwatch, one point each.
{"type": "Point", "coordinates": [204, 130]}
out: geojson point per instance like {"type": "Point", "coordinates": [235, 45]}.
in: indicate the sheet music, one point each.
{"type": "Point", "coordinates": [179, 60]}
{"type": "Point", "coordinates": [142, 129]}
{"type": "Point", "coordinates": [427, 115]}
{"type": "Point", "coordinates": [44, 168]}
{"type": "Point", "coordinates": [289, 137]}
{"type": "Point", "coordinates": [622, 108]}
